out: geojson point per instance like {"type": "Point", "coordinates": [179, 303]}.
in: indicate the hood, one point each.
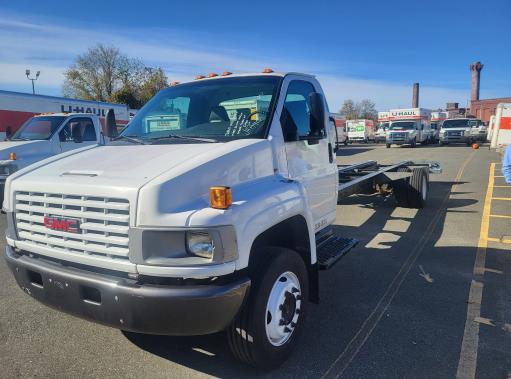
{"type": "Point", "coordinates": [122, 171]}
{"type": "Point", "coordinates": [23, 148]}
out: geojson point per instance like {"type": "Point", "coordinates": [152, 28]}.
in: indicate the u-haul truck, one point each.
{"type": "Point", "coordinates": [409, 127]}
{"type": "Point", "coordinates": [383, 126]}
{"type": "Point", "coordinates": [499, 132]}
{"type": "Point", "coordinates": [340, 127]}
{"type": "Point", "coordinates": [17, 107]}
{"type": "Point", "coordinates": [360, 130]}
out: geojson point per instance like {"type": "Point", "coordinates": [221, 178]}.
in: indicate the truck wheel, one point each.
{"type": "Point", "coordinates": [388, 146]}
{"type": "Point", "coordinates": [412, 192]}
{"type": "Point", "coordinates": [268, 326]}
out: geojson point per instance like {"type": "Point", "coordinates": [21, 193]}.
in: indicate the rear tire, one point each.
{"type": "Point", "coordinates": [412, 192]}
{"type": "Point", "coordinates": [267, 328]}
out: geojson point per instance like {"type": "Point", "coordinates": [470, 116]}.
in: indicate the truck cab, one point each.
{"type": "Point", "coordinates": [45, 135]}
{"type": "Point", "coordinates": [408, 132]}
{"type": "Point", "coordinates": [381, 132]}
{"type": "Point", "coordinates": [456, 130]}
{"type": "Point", "coordinates": [166, 228]}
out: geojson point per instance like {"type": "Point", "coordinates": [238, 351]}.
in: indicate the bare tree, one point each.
{"type": "Point", "coordinates": [349, 110]}
{"type": "Point", "coordinates": [367, 110]}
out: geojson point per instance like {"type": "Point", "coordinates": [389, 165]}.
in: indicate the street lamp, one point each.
{"type": "Point", "coordinates": [27, 73]}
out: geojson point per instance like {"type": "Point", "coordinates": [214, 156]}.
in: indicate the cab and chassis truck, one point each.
{"type": "Point", "coordinates": [221, 222]}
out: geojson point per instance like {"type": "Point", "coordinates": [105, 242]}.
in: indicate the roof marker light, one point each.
{"type": "Point", "coordinates": [199, 77]}
{"type": "Point", "coordinates": [212, 75]}
{"type": "Point", "coordinates": [267, 70]}
{"type": "Point", "coordinates": [226, 73]}
{"type": "Point", "coordinates": [172, 84]}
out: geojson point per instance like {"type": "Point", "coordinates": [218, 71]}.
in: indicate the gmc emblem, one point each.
{"type": "Point", "coordinates": [69, 225]}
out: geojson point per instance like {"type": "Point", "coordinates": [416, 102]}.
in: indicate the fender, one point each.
{"type": "Point", "coordinates": [259, 205]}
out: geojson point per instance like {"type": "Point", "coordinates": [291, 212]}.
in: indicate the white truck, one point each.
{"type": "Point", "coordinates": [409, 127]}
{"type": "Point", "coordinates": [221, 224]}
{"type": "Point", "coordinates": [461, 130]}
{"type": "Point", "coordinates": [340, 128]}
{"type": "Point", "coordinates": [499, 129]}
{"type": "Point", "coordinates": [383, 127]}
{"type": "Point", "coordinates": [17, 107]}
{"type": "Point", "coordinates": [45, 135]}
{"type": "Point", "coordinates": [360, 130]}
{"type": "Point", "coordinates": [437, 118]}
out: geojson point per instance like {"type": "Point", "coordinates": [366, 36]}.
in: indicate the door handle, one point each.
{"type": "Point", "coordinates": [330, 153]}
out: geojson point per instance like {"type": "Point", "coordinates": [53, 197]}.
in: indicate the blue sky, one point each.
{"type": "Point", "coordinates": [358, 49]}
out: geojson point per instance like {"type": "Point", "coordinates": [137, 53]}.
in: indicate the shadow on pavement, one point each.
{"type": "Point", "coordinates": [421, 326]}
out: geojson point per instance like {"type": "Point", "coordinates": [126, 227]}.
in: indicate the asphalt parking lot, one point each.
{"type": "Point", "coordinates": [424, 294]}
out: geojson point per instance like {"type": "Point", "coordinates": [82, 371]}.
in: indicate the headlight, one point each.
{"type": "Point", "coordinates": [200, 244]}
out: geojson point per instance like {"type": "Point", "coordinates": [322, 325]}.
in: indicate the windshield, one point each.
{"type": "Point", "coordinates": [38, 128]}
{"type": "Point", "coordinates": [461, 123]}
{"type": "Point", "coordinates": [383, 126]}
{"type": "Point", "coordinates": [475, 123]}
{"type": "Point", "coordinates": [218, 110]}
{"type": "Point", "coordinates": [408, 125]}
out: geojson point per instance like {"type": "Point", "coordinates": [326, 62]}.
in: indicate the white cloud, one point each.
{"type": "Point", "coordinates": [43, 46]}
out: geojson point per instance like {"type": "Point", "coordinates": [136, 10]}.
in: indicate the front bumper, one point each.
{"type": "Point", "coordinates": [455, 139]}
{"type": "Point", "coordinates": [127, 304]}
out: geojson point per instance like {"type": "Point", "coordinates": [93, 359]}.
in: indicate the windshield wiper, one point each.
{"type": "Point", "coordinates": [133, 139]}
{"type": "Point", "coordinates": [192, 138]}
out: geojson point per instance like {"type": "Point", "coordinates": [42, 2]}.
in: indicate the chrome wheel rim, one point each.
{"type": "Point", "coordinates": [283, 308]}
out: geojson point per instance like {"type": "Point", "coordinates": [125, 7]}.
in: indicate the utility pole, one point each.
{"type": "Point", "coordinates": [27, 73]}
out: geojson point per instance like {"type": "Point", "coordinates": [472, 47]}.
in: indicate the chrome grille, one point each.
{"type": "Point", "coordinates": [104, 223]}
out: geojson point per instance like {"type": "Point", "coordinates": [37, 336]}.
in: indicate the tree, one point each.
{"type": "Point", "coordinates": [367, 110]}
{"type": "Point", "coordinates": [349, 110]}
{"type": "Point", "coordinates": [364, 109]}
{"type": "Point", "coordinates": [103, 73]}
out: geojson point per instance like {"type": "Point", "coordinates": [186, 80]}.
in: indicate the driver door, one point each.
{"type": "Point", "coordinates": [310, 161]}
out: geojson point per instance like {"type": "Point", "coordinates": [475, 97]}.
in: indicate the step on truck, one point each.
{"type": "Point", "coordinates": [409, 127]}
{"type": "Point", "coordinates": [209, 219]}
{"type": "Point", "coordinates": [46, 135]}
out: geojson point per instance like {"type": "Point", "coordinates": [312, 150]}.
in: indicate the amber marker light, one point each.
{"type": "Point", "coordinates": [173, 84]}
{"type": "Point", "coordinates": [198, 77]}
{"type": "Point", "coordinates": [220, 197]}
{"type": "Point", "coordinates": [267, 70]}
{"type": "Point", "coordinates": [226, 73]}
{"type": "Point", "coordinates": [212, 75]}
{"type": "Point", "coordinates": [12, 156]}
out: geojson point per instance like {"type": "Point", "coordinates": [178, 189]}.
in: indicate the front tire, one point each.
{"type": "Point", "coordinates": [266, 330]}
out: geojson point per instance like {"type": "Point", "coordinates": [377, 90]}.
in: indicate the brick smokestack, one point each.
{"type": "Point", "coordinates": [475, 69]}
{"type": "Point", "coordinates": [415, 97]}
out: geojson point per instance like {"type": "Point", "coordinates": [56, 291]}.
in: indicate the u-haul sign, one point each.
{"type": "Point", "coordinates": [409, 114]}
{"type": "Point", "coordinates": [383, 116]}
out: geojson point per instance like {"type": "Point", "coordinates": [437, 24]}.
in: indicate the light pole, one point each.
{"type": "Point", "coordinates": [27, 73]}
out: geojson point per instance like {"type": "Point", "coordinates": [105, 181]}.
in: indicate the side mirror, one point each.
{"type": "Point", "coordinates": [317, 112]}
{"type": "Point", "coordinates": [110, 124]}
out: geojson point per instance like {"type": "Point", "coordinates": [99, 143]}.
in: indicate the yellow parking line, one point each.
{"type": "Point", "coordinates": [501, 198]}
{"type": "Point", "coordinates": [468, 356]}
{"type": "Point", "coordinates": [500, 216]}
{"type": "Point", "coordinates": [499, 240]}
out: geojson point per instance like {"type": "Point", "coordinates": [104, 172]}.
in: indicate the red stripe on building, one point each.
{"type": "Point", "coordinates": [13, 119]}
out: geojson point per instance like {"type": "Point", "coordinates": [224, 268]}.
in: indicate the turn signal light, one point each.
{"type": "Point", "coordinates": [220, 197]}
{"type": "Point", "coordinates": [198, 77]}
{"type": "Point", "coordinates": [226, 73]}
{"type": "Point", "coordinates": [12, 156]}
{"type": "Point", "coordinates": [212, 75]}
{"type": "Point", "coordinates": [267, 70]}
